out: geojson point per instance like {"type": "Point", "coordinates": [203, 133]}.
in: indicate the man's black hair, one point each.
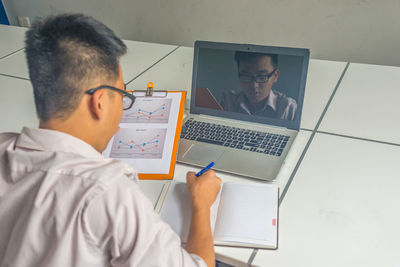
{"type": "Point", "coordinates": [64, 54]}
{"type": "Point", "coordinates": [245, 56]}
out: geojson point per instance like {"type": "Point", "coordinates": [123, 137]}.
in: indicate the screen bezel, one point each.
{"type": "Point", "coordinates": [290, 124]}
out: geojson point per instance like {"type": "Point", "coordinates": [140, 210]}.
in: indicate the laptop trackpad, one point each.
{"type": "Point", "coordinates": [203, 154]}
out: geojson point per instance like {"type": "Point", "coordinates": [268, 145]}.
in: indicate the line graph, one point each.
{"type": "Point", "coordinates": [138, 143]}
{"type": "Point", "coordinates": [148, 110]}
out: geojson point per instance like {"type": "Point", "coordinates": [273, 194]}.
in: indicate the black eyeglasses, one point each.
{"type": "Point", "coordinates": [127, 99]}
{"type": "Point", "coordinates": [257, 78]}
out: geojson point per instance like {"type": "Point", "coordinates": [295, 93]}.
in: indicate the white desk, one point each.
{"type": "Point", "coordinates": [15, 65]}
{"type": "Point", "coordinates": [141, 56]}
{"type": "Point", "coordinates": [172, 73]}
{"type": "Point", "coordinates": [342, 208]}
{"type": "Point", "coordinates": [17, 107]}
{"type": "Point", "coordinates": [366, 104]}
{"type": "Point", "coordinates": [138, 58]}
{"type": "Point", "coordinates": [152, 189]}
{"type": "Point", "coordinates": [322, 79]}
{"type": "Point", "coordinates": [12, 39]}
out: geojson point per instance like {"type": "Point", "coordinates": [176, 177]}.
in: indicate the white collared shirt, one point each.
{"type": "Point", "coordinates": [277, 106]}
{"type": "Point", "coordinates": [63, 204]}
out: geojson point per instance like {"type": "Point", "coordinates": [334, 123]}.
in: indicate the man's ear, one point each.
{"type": "Point", "coordinates": [97, 104]}
{"type": "Point", "coordinates": [276, 76]}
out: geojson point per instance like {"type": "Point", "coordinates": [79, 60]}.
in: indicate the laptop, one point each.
{"type": "Point", "coordinates": [245, 108]}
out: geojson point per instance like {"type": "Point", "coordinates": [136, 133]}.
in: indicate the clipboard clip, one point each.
{"type": "Point", "coordinates": [149, 92]}
{"type": "Point", "coordinates": [150, 89]}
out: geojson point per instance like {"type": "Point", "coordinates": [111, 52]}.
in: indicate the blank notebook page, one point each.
{"type": "Point", "coordinates": [247, 214]}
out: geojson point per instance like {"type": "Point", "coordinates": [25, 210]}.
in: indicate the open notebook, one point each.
{"type": "Point", "coordinates": [243, 215]}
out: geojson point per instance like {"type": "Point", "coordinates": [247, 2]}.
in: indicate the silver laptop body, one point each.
{"type": "Point", "coordinates": [257, 143]}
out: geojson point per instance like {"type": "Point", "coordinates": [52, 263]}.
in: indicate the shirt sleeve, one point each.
{"type": "Point", "coordinates": [286, 107]}
{"type": "Point", "coordinates": [122, 223]}
{"type": "Point", "coordinates": [291, 109]}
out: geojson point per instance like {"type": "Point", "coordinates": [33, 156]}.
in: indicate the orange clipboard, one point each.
{"type": "Point", "coordinates": [172, 160]}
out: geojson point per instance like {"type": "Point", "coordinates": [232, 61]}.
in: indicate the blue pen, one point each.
{"type": "Point", "coordinates": [206, 168]}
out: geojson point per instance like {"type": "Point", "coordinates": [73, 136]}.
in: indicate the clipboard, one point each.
{"type": "Point", "coordinates": [149, 133]}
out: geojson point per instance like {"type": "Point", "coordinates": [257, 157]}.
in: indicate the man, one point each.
{"type": "Point", "coordinates": [257, 74]}
{"type": "Point", "coordinates": [62, 203]}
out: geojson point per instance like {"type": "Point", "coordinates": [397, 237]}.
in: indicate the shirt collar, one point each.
{"type": "Point", "coordinates": [51, 140]}
{"type": "Point", "coordinates": [271, 100]}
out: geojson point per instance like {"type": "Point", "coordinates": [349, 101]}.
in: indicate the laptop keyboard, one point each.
{"type": "Point", "coordinates": [239, 138]}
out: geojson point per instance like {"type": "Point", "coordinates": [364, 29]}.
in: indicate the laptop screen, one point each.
{"type": "Point", "coordinates": [250, 83]}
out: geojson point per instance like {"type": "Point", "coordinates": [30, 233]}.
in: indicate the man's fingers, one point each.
{"type": "Point", "coordinates": [210, 172]}
{"type": "Point", "coordinates": [190, 177]}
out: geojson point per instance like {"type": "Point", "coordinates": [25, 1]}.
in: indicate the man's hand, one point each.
{"type": "Point", "coordinates": [203, 190]}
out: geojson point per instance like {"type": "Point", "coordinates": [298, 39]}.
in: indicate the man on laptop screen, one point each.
{"type": "Point", "coordinates": [257, 74]}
